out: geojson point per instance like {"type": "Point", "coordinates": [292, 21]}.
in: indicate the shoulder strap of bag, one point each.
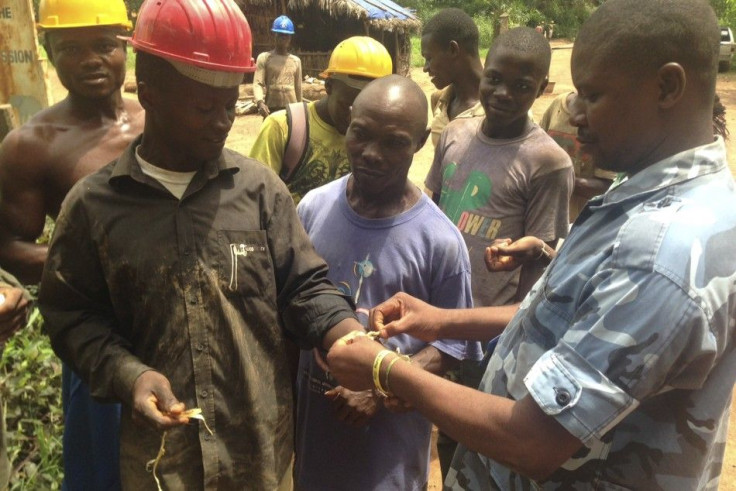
{"type": "Point", "coordinates": [297, 140]}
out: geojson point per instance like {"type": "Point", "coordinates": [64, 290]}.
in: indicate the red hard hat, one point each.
{"type": "Point", "coordinates": [209, 34]}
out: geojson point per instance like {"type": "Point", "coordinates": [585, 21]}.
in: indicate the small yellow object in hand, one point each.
{"type": "Point", "coordinates": [152, 465]}
{"type": "Point", "coordinates": [196, 413]}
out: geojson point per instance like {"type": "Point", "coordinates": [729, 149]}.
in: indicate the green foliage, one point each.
{"type": "Point", "coordinates": [726, 12]}
{"type": "Point", "coordinates": [130, 60]}
{"type": "Point", "coordinates": [30, 384]}
{"type": "Point", "coordinates": [30, 389]}
{"type": "Point", "coordinates": [567, 15]}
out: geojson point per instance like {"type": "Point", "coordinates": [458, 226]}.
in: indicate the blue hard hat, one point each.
{"type": "Point", "coordinates": [283, 25]}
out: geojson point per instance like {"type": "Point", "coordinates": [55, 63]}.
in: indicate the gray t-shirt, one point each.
{"type": "Point", "coordinates": [492, 189]}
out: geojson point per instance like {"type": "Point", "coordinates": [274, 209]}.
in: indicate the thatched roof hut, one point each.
{"type": "Point", "coordinates": [321, 24]}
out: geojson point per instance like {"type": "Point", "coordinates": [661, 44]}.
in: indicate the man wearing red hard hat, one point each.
{"type": "Point", "coordinates": [178, 271]}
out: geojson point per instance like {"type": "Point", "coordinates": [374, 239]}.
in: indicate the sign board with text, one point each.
{"type": "Point", "coordinates": [22, 78]}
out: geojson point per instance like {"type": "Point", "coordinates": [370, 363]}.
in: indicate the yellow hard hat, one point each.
{"type": "Point", "coordinates": [359, 55]}
{"type": "Point", "coordinates": [60, 14]}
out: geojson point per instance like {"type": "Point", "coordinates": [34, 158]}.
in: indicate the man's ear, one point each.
{"type": "Point", "coordinates": [423, 140]}
{"type": "Point", "coordinates": [543, 85]}
{"type": "Point", "coordinates": [146, 95]}
{"type": "Point", "coordinates": [328, 86]}
{"type": "Point", "coordinates": [454, 48]}
{"type": "Point", "coordinates": [672, 82]}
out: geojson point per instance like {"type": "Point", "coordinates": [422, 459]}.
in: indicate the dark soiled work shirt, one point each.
{"type": "Point", "coordinates": [203, 290]}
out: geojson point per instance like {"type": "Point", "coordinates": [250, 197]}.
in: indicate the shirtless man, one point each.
{"type": "Point", "coordinates": [41, 161]}
{"type": "Point", "coordinates": [39, 164]}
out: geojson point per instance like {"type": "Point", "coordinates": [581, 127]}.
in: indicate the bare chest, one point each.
{"type": "Point", "coordinates": [77, 152]}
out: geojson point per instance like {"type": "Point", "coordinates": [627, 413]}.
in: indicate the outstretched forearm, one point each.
{"type": "Point", "coordinates": [23, 259]}
{"type": "Point", "coordinates": [404, 314]}
{"type": "Point", "coordinates": [476, 324]}
{"type": "Point", "coordinates": [515, 433]}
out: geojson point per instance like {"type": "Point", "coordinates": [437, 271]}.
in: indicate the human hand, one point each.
{"type": "Point", "coordinates": [505, 255]}
{"type": "Point", "coordinates": [351, 361]}
{"type": "Point", "coordinates": [404, 314]}
{"type": "Point", "coordinates": [13, 311]}
{"type": "Point", "coordinates": [155, 404]}
{"type": "Point", "coordinates": [353, 408]}
{"type": "Point", "coordinates": [263, 109]}
{"type": "Point", "coordinates": [396, 405]}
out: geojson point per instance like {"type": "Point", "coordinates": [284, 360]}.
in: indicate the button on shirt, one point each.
{"type": "Point", "coordinates": [627, 339]}
{"type": "Point", "coordinates": [203, 290]}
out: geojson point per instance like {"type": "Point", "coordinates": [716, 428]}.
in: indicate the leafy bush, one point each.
{"type": "Point", "coordinates": [30, 383]}
{"type": "Point", "coordinates": [30, 387]}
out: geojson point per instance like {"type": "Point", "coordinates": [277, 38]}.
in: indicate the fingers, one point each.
{"type": "Point", "coordinates": [396, 405]}
{"type": "Point", "coordinates": [14, 303]}
{"type": "Point", "coordinates": [353, 408]}
{"type": "Point", "coordinates": [155, 404]}
{"type": "Point", "coordinates": [393, 328]}
{"type": "Point", "coordinates": [500, 242]}
{"type": "Point", "coordinates": [13, 312]}
{"type": "Point", "coordinates": [391, 309]}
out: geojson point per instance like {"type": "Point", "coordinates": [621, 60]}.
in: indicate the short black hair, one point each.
{"type": "Point", "coordinates": [525, 40]}
{"type": "Point", "coordinates": [644, 35]}
{"type": "Point", "coordinates": [153, 70]}
{"type": "Point", "coordinates": [453, 25]}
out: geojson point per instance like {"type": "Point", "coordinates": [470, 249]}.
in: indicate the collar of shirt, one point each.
{"type": "Point", "coordinates": [127, 167]}
{"type": "Point", "coordinates": [684, 166]}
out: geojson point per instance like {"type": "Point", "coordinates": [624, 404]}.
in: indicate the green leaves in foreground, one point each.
{"type": "Point", "coordinates": [30, 387]}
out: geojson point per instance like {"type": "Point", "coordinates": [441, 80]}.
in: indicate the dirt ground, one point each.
{"type": "Point", "coordinates": [245, 130]}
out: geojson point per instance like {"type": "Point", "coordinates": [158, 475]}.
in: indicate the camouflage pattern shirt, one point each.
{"type": "Point", "coordinates": [627, 339]}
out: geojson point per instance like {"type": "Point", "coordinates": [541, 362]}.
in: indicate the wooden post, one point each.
{"type": "Point", "coordinates": [7, 120]}
{"type": "Point", "coordinates": [503, 23]}
{"type": "Point", "coordinates": [22, 79]}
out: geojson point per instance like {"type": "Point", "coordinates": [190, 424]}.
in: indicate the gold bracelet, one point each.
{"type": "Point", "coordinates": [377, 371]}
{"type": "Point", "coordinates": [388, 371]}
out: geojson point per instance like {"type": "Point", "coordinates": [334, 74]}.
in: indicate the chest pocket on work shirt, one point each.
{"type": "Point", "coordinates": [244, 263]}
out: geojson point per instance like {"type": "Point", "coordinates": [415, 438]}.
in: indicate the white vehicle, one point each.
{"type": "Point", "coordinates": [727, 49]}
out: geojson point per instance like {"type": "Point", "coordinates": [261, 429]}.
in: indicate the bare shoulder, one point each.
{"type": "Point", "coordinates": [136, 113]}
{"type": "Point", "coordinates": [25, 149]}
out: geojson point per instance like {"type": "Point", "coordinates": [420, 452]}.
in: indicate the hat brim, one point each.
{"type": "Point", "coordinates": [352, 81]}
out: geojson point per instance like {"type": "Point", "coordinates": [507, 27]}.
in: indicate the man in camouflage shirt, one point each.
{"type": "Point", "coordinates": [617, 370]}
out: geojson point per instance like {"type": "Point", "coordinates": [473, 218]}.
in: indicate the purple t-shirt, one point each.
{"type": "Point", "coordinates": [419, 252]}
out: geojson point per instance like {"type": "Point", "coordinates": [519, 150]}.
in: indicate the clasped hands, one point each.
{"type": "Point", "coordinates": [351, 358]}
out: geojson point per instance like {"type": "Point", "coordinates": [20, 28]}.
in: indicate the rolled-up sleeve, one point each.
{"type": "Point", "coordinates": [79, 318]}
{"type": "Point", "coordinates": [308, 303]}
{"type": "Point", "coordinates": [636, 335]}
